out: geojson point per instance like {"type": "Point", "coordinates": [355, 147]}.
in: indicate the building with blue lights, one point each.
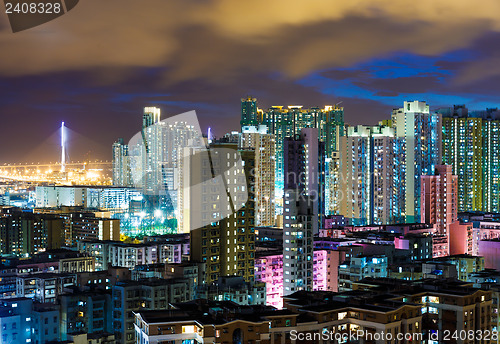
{"type": "Point", "coordinates": [288, 121]}
{"type": "Point", "coordinates": [421, 131]}
{"type": "Point", "coordinates": [371, 188]}
{"type": "Point", "coordinates": [471, 145]}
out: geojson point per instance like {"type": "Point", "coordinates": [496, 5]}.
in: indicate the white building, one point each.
{"type": "Point", "coordinates": [421, 131]}
{"type": "Point", "coordinates": [116, 199]}
{"type": "Point", "coordinates": [130, 255]}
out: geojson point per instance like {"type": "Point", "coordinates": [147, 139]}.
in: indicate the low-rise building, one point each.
{"type": "Point", "coordinates": [44, 287]}
{"type": "Point", "coordinates": [376, 311]}
{"type": "Point", "coordinates": [15, 320]}
{"type": "Point", "coordinates": [85, 311]}
{"type": "Point", "coordinates": [361, 267]}
{"type": "Point", "coordinates": [133, 296]}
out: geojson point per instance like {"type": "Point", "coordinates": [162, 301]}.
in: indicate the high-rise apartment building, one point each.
{"type": "Point", "coordinates": [249, 113]}
{"type": "Point", "coordinates": [153, 158]}
{"type": "Point", "coordinates": [287, 122]}
{"type": "Point", "coordinates": [439, 199]}
{"type": "Point", "coordinates": [227, 244]}
{"type": "Point", "coordinates": [303, 206]}
{"type": "Point", "coordinates": [421, 131]}
{"type": "Point", "coordinates": [263, 145]}
{"type": "Point", "coordinates": [471, 144]}
{"type": "Point", "coordinates": [154, 152]}
{"type": "Point", "coordinates": [370, 181]}
{"type": "Point", "coordinates": [304, 167]}
{"type": "Point", "coordinates": [121, 164]}
{"type": "Point", "coordinates": [300, 222]}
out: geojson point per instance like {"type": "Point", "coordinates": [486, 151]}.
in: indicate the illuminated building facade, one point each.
{"type": "Point", "coordinates": [421, 132]}
{"type": "Point", "coordinates": [121, 164]}
{"type": "Point", "coordinates": [263, 145]}
{"type": "Point", "coordinates": [227, 244]}
{"type": "Point", "coordinates": [304, 167]}
{"type": "Point", "coordinates": [114, 199]}
{"type": "Point", "coordinates": [439, 203]}
{"type": "Point", "coordinates": [300, 222]}
{"type": "Point", "coordinates": [288, 122]}
{"type": "Point", "coordinates": [439, 198]}
{"type": "Point", "coordinates": [371, 177]}
{"type": "Point", "coordinates": [23, 234]}
{"type": "Point", "coordinates": [471, 144]}
{"type": "Point", "coordinates": [153, 156]}
{"type": "Point", "coordinates": [249, 113]}
{"type": "Point", "coordinates": [153, 159]}
{"type": "Point", "coordinates": [85, 311]}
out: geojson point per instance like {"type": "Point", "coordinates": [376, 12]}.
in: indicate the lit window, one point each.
{"type": "Point", "coordinates": [189, 329]}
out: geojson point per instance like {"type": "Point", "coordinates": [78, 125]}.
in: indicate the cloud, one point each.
{"type": "Point", "coordinates": [395, 86]}
{"type": "Point", "coordinates": [223, 38]}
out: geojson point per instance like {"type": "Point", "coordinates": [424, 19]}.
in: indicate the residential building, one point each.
{"type": "Point", "coordinates": [205, 322]}
{"type": "Point", "coordinates": [269, 270]}
{"type": "Point", "coordinates": [45, 323]}
{"type": "Point", "coordinates": [357, 268]}
{"type": "Point", "coordinates": [471, 142]}
{"type": "Point", "coordinates": [421, 131]}
{"type": "Point", "coordinates": [300, 220]}
{"type": "Point", "coordinates": [371, 176]}
{"type": "Point", "coordinates": [121, 164]}
{"type": "Point", "coordinates": [263, 145]}
{"type": "Point", "coordinates": [304, 168]}
{"type": "Point", "coordinates": [25, 233]}
{"type": "Point", "coordinates": [15, 320]}
{"type": "Point", "coordinates": [285, 122]}
{"type": "Point", "coordinates": [44, 287]}
{"type": "Point", "coordinates": [85, 311]}
{"type": "Point", "coordinates": [133, 296]}
{"type": "Point", "coordinates": [227, 245]}
{"type": "Point", "coordinates": [439, 198]}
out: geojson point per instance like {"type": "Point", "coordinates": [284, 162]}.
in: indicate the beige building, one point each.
{"type": "Point", "coordinates": [263, 144]}
{"type": "Point", "coordinates": [227, 244]}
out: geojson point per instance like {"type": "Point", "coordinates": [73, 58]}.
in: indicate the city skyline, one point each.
{"type": "Point", "coordinates": [213, 172]}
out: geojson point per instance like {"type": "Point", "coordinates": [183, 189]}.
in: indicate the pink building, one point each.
{"type": "Point", "coordinates": [461, 238]}
{"type": "Point", "coordinates": [439, 203]}
{"type": "Point", "coordinates": [335, 221]}
{"type": "Point", "coordinates": [439, 198]}
{"type": "Point", "coordinates": [331, 233]}
{"type": "Point", "coordinates": [490, 250]}
{"type": "Point", "coordinates": [269, 269]}
{"type": "Point", "coordinates": [440, 247]}
{"type": "Point", "coordinates": [326, 268]}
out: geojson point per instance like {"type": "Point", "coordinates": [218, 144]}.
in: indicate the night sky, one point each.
{"type": "Point", "coordinates": [97, 66]}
